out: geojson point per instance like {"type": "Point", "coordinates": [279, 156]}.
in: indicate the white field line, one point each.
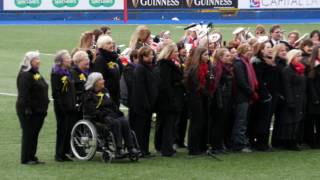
{"type": "Point", "coordinates": [15, 95]}
{"type": "Point", "coordinates": [47, 54]}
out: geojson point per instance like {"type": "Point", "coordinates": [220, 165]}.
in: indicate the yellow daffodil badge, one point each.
{"type": "Point", "coordinates": [111, 65]}
{"type": "Point", "coordinates": [82, 77]}
{"type": "Point", "coordinates": [64, 81]}
{"type": "Point", "coordinates": [36, 76]}
{"type": "Point", "coordinates": [100, 95]}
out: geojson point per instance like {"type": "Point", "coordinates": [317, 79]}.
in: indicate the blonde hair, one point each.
{"type": "Point", "coordinates": [137, 35]}
{"type": "Point", "coordinates": [167, 51]}
{"type": "Point", "coordinates": [292, 54]}
{"type": "Point", "coordinates": [86, 40]}
{"type": "Point", "coordinates": [80, 56]}
{"type": "Point", "coordinates": [25, 64]}
{"type": "Point", "coordinates": [276, 50]}
{"type": "Point", "coordinates": [104, 39]}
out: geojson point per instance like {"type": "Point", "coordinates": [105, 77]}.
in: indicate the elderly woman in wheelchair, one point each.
{"type": "Point", "coordinates": [104, 126]}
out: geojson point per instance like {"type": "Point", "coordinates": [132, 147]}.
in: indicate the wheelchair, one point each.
{"type": "Point", "coordinates": [89, 137]}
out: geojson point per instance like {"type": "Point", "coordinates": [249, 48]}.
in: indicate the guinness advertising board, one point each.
{"type": "Point", "coordinates": [186, 4]}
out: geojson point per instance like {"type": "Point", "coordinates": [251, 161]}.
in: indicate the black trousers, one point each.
{"type": "Point", "coordinates": [219, 120]}
{"type": "Point", "coordinates": [277, 110]}
{"type": "Point", "coordinates": [260, 124]}
{"type": "Point", "coordinates": [121, 130]}
{"type": "Point", "coordinates": [141, 125]}
{"type": "Point", "coordinates": [165, 132]}
{"type": "Point", "coordinates": [312, 130]}
{"type": "Point", "coordinates": [181, 125]}
{"type": "Point", "coordinates": [198, 129]}
{"type": "Point", "coordinates": [65, 122]}
{"type": "Point", "coordinates": [31, 126]}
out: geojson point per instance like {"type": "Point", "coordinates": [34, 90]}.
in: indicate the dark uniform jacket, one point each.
{"type": "Point", "coordinates": [63, 90]}
{"type": "Point", "coordinates": [171, 89]}
{"type": "Point", "coordinates": [314, 92]}
{"type": "Point", "coordinates": [294, 92]}
{"type": "Point", "coordinates": [32, 92]}
{"type": "Point", "coordinates": [108, 64]}
{"type": "Point", "coordinates": [100, 105]}
{"type": "Point", "coordinates": [79, 78]}
{"type": "Point", "coordinates": [144, 89]}
{"type": "Point", "coordinates": [242, 87]}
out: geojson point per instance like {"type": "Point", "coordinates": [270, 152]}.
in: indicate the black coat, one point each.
{"type": "Point", "coordinates": [268, 77]}
{"type": "Point", "coordinates": [171, 89]}
{"type": "Point", "coordinates": [294, 93]}
{"type": "Point", "coordinates": [242, 87]}
{"type": "Point", "coordinates": [224, 92]}
{"type": "Point", "coordinates": [282, 42]}
{"type": "Point", "coordinates": [79, 79]}
{"type": "Point", "coordinates": [63, 93]}
{"type": "Point", "coordinates": [32, 92]}
{"type": "Point", "coordinates": [281, 64]}
{"type": "Point", "coordinates": [144, 89]}
{"type": "Point", "coordinates": [314, 92]}
{"type": "Point", "coordinates": [108, 64]}
{"type": "Point", "coordinates": [128, 73]}
{"type": "Point", "coordinates": [100, 105]}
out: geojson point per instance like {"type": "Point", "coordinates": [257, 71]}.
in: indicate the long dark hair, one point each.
{"type": "Point", "coordinates": [312, 63]}
{"type": "Point", "coordinates": [194, 60]}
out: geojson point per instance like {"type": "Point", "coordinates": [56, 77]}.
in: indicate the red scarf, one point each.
{"type": "Point", "coordinates": [202, 74]}
{"type": "Point", "coordinates": [299, 67]}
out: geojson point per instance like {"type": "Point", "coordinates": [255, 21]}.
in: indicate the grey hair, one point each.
{"type": "Point", "coordinates": [58, 59]}
{"type": "Point", "coordinates": [103, 40]}
{"type": "Point", "coordinates": [92, 79]}
{"type": "Point", "coordinates": [28, 57]}
{"type": "Point", "coordinates": [80, 56]}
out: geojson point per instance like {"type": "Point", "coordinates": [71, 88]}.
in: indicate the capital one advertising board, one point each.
{"type": "Point", "coordinates": [52, 5]}
{"type": "Point", "coordinates": [278, 4]}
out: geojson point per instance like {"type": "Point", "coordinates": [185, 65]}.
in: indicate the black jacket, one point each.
{"type": "Point", "coordinates": [32, 92]}
{"type": "Point", "coordinates": [79, 79]}
{"type": "Point", "coordinates": [171, 89]}
{"type": "Point", "coordinates": [281, 64]}
{"type": "Point", "coordinates": [100, 105]}
{"type": "Point", "coordinates": [127, 78]}
{"type": "Point", "coordinates": [144, 89]}
{"type": "Point", "coordinates": [282, 42]}
{"type": "Point", "coordinates": [224, 92]}
{"type": "Point", "coordinates": [267, 76]}
{"type": "Point", "coordinates": [294, 88]}
{"type": "Point", "coordinates": [108, 64]}
{"type": "Point", "coordinates": [242, 87]}
{"type": "Point", "coordinates": [63, 91]}
{"type": "Point", "coordinates": [314, 92]}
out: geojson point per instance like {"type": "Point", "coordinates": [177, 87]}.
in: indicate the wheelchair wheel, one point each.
{"type": "Point", "coordinates": [107, 156]}
{"type": "Point", "coordinates": [84, 140]}
{"type": "Point", "coordinates": [134, 158]}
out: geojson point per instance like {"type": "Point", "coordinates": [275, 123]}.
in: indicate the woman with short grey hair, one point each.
{"type": "Point", "coordinates": [31, 105]}
{"type": "Point", "coordinates": [63, 94]}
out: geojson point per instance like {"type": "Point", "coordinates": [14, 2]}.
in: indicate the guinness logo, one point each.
{"type": "Point", "coordinates": [189, 3]}
{"type": "Point", "coordinates": [135, 3]}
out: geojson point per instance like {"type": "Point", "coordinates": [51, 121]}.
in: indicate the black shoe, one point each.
{"type": "Point", "coordinates": [120, 153]}
{"type": "Point", "coordinates": [147, 155]}
{"type": "Point", "coordinates": [37, 160]}
{"type": "Point", "coordinates": [30, 163]}
{"type": "Point", "coordinates": [133, 151]}
{"type": "Point", "coordinates": [62, 159]}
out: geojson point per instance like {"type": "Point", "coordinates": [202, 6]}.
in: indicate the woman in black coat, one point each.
{"type": "Point", "coordinates": [63, 93]}
{"type": "Point", "coordinates": [267, 75]}
{"type": "Point", "coordinates": [80, 72]}
{"type": "Point", "coordinates": [312, 128]}
{"type": "Point", "coordinates": [221, 105]}
{"type": "Point", "coordinates": [108, 64]}
{"type": "Point", "coordinates": [199, 84]}
{"type": "Point", "coordinates": [294, 83]}
{"type": "Point", "coordinates": [170, 99]}
{"type": "Point", "coordinates": [278, 101]}
{"type": "Point", "coordinates": [31, 105]}
{"type": "Point", "coordinates": [144, 96]}
{"type": "Point", "coordinates": [97, 104]}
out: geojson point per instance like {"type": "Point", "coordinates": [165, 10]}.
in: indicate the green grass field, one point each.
{"type": "Point", "coordinates": [16, 40]}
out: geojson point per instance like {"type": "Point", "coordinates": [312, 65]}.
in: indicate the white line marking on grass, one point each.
{"type": "Point", "coordinates": [47, 54]}
{"type": "Point", "coordinates": [15, 95]}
